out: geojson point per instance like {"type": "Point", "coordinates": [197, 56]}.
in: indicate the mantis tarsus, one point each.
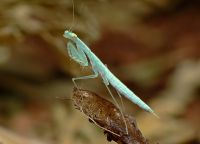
{"type": "Point", "coordinates": [79, 52]}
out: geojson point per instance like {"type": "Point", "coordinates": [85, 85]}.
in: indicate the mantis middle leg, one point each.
{"type": "Point", "coordinates": [84, 77]}
{"type": "Point", "coordinates": [95, 75]}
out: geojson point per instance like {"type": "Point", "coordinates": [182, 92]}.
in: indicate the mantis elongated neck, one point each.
{"type": "Point", "coordinates": [84, 47]}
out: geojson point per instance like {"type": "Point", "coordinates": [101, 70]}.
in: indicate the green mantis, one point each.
{"type": "Point", "coordinates": [81, 53]}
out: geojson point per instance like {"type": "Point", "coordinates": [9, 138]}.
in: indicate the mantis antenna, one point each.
{"type": "Point", "coordinates": [73, 16]}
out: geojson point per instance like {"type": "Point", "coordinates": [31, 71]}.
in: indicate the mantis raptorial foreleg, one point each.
{"type": "Point", "coordinates": [77, 54]}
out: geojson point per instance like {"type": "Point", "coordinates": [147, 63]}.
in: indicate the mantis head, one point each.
{"type": "Point", "coordinates": [70, 35]}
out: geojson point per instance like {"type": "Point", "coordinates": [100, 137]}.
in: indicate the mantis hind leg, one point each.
{"type": "Point", "coordinates": [122, 103]}
{"type": "Point", "coordinates": [117, 104]}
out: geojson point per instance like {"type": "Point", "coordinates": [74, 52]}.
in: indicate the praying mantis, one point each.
{"type": "Point", "coordinates": [81, 53]}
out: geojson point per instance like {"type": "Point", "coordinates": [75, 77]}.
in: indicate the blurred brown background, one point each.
{"type": "Point", "coordinates": [153, 46]}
